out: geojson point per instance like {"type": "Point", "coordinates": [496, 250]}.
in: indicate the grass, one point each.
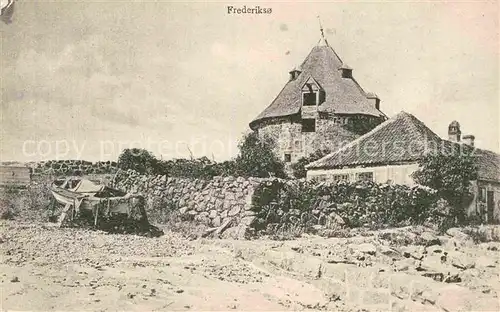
{"type": "Point", "coordinates": [30, 204]}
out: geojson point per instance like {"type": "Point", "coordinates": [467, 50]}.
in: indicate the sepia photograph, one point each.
{"type": "Point", "coordinates": [164, 155]}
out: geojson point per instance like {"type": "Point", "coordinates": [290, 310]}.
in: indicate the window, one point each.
{"type": "Point", "coordinates": [364, 176]}
{"type": "Point", "coordinates": [288, 158]}
{"type": "Point", "coordinates": [320, 178]}
{"type": "Point", "coordinates": [308, 125]}
{"type": "Point", "coordinates": [340, 177]}
{"type": "Point", "coordinates": [309, 99]}
{"type": "Point", "coordinates": [346, 73]}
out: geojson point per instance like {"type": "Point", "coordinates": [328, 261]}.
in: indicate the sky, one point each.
{"type": "Point", "coordinates": [85, 79]}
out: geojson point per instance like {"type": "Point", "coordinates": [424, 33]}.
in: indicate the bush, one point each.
{"type": "Point", "coordinates": [298, 168]}
{"type": "Point", "coordinates": [139, 160]}
{"type": "Point", "coordinates": [257, 159]}
{"type": "Point", "coordinates": [450, 174]}
{"type": "Point", "coordinates": [352, 204]}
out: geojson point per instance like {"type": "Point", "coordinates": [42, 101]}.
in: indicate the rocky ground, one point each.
{"type": "Point", "coordinates": [48, 268]}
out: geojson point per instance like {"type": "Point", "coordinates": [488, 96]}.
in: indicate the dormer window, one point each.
{"type": "Point", "coordinates": [346, 71]}
{"type": "Point", "coordinates": [294, 73]}
{"type": "Point", "coordinates": [312, 93]}
{"type": "Point", "coordinates": [375, 98]}
{"type": "Point", "coordinates": [309, 98]}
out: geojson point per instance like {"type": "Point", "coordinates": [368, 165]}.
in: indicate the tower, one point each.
{"type": "Point", "coordinates": [321, 107]}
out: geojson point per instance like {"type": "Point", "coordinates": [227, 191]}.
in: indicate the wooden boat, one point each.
{"type": "Point", "coordinates": [108, 208]}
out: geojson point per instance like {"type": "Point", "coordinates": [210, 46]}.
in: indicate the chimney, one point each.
{"type": "Point", "coordinates": [454, 131]}
{"type": "Point", "coordinates": [294, 73]}
{"type": "Point", "coordinates": [375, 98]}
{"type": "Point", "coordinates": [469, 139]}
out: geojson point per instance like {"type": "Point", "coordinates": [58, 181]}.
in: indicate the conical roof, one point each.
{"type": "Point", "coordinates": [342, 95]}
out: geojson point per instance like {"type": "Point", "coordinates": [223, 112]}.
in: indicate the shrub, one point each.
{"type": "Point", "coordinates": [138, 159]}
{"type": "Point", "coordinates": [450, 174]}
{"type": "Point", "coordinates": [257, 159]}
{"type": "Point", "coordinates": [356, 204]}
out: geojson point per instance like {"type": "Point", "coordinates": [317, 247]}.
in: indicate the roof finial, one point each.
{"type": "Point", "coordinates": [322, 33]}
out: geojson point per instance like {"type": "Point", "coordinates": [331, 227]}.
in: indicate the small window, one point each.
{"type": "Point", "coordinates": [308, 125]}
{"type": "Point", "coordinates": [346, 73]}
{"type": "Point", "coordinates": [320, 178]}
{"type": "Point", "coordinates": [340, 177]}
{"type": "Point", "coordinates": [309, 99]}
{"type": "Point", "coordinates": [365, 176]}
{"type": "Point", "coordinates": [288, 157]}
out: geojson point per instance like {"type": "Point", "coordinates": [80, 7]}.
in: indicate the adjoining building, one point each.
{"type": "Point", "coordinates": [321, 107]}
{"type": "Point", "coordinates": [390, 154]}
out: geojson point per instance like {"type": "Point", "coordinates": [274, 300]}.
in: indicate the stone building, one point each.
{"type": "Point", "coordinates": [322, 107]}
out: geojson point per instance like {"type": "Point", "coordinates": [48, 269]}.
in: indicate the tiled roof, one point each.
{"type": "Point", "coordinates": [402, 139]}
{"type": "Point", "coordinates": [489, 165]}
{"type": "Point", "coordinates": [343, 95]}
{"type": "Point", "coordinates": [399, 139]}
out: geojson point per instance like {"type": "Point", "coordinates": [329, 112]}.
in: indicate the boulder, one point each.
{"type": "Point", "coordinates": [429, 239]}
{"type": "Point", "coordinates": [246, 221]}
{"type": "Point", "coordinates": [234, 211]}
{"type": "Point", "coordinates": [202, 217]}
{"type": "Point", "coordinates": [461, 260]}
{"type": "Point", "coordinates": [458, 234]}
{"type": "Point", "coordinates": [366, 248]}
{"type": "Point", "coordinates": [388, 251]}
{"type": "Point", "coordinates": [212, 214]}
{"type": "Point", "coordinates": [216, 221]}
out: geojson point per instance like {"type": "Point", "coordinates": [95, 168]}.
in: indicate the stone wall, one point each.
{"type": "Point", "coordinates": [69, 167]}
{"type": "Point", "coordinates": [221, 202]}
{"type": "Point", "coordinates": [330, 134]}
{"type": "Point", "coordinates": [242, 207]}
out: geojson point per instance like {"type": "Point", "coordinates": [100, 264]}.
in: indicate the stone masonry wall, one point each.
{"type": "Point", "coordinates": [214, 203]}
{"type": "Point", "coordinates": [332, 132]}
{"type": "Point", "coordinates": [69, 167]}
{"type": "Point", "coordinates": [289, 138]}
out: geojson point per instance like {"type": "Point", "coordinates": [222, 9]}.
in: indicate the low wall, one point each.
{"type": "Point", "coordinates": [69, 167]}
{"type": "Point", "coordinates": [224, 202]}
{"type": "Point", "coordinates": [274, 206]}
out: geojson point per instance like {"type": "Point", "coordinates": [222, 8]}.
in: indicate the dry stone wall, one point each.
{"type": "Point", "coordinates": [69, 167]}
{"type": "Point", "coordinates": [242, 207]}
{"type": "Point", "coordinates": [221, 202]}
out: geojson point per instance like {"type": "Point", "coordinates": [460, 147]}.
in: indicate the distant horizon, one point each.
{"type": "Point", "coordinates": [189, 78]}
